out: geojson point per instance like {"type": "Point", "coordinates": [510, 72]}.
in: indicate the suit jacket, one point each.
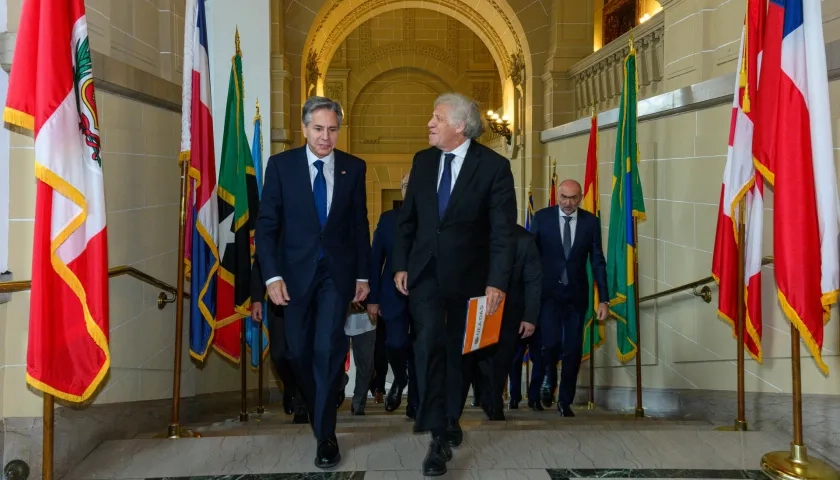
{"type": "Point", "coordinates": [472, 243]}
{"type": "Point", "coordinates": [289, 235]}
{"type": "Point", "coordinates": [586, 246]}
{"type": "Point", "coordinates": [383, 290]}
{"type": "Point", "coordinates": [522, 303]}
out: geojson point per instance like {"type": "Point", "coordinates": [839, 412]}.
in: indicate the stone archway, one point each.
{"type": "Point", "coordinates": [497, 27]}
{"type": "Point", "coordinates": [358, 82]}
{"type": "Point", "coordinates": [377, 127]}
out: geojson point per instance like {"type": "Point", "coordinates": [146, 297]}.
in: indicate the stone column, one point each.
{"type": "Point", "coordinates": [570, 40]}
{"type": "Point", "coordinates": [281, 84]}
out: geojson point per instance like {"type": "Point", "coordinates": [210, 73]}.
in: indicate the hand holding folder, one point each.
{"type": "Point", "coordinates": [482, 329]}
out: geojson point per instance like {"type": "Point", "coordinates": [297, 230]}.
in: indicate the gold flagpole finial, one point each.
{"type": "Point", "coordinates": [238, 50]}
{"type": "Point", "coordinates": [592, 110]}
{"type": "Point", "coordinates": [632, 44]}
{"type": "Point", "coordinates": [257, 115]}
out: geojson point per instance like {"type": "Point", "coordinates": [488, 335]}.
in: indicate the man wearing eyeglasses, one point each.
{"type": "Point", "coordinates": [567, 238]}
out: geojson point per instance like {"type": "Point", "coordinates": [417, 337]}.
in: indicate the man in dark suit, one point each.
{"type": "Point", "coordinates": [313, 242]}
{"type": "Point", "coordinates": [519, 319]}
{"type": "Point", "coordinates": [292, 399]}
{"type": "Point", "coordinates": [567, 238]}
{"type": "Point", "coordinates": [392, 306]}
{"type": "Point", "coordinates": [454, 239]}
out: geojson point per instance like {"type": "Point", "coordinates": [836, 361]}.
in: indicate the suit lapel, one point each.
{"type": "Point", "coordinates": [301, 173]}
{"type": "Point", "coordinates": [466, 173]}
{"type": "Point", "coordinates": [339, 181]}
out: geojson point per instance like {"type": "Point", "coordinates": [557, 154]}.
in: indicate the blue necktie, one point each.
{"type": "Point", "coordinates": [319, 190]}
{"type": "Point", "coordinates": [445, 187]}
{"type": "Point", "coordinates": [567, 247]}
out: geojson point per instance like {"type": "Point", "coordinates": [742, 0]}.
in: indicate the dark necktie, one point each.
{"type": "Point", "coordinates": [567, 247]}
{"type": "Point", "coordinates": [319, 190]}
{"type": "Point", "coordinates": [445, 187]}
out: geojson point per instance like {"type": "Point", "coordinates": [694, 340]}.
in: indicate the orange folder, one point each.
{"type": "Point", "coordinates": [482, 329]}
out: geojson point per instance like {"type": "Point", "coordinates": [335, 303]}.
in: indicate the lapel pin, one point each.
{"type": "Point", "coordinates": [344, 172]}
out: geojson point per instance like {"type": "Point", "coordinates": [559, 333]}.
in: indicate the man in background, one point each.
{"type": "Point", "coordinates": [386, 302]}
{"type": "Point", "coordinates": [567, 238]}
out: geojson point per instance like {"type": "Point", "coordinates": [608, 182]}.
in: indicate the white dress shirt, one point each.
{"type": "Point", "coordinates": [572, 225]}
{"type": "Point", "coordinates": [329, 176]}
{"type": "Point", "coordinates": [457, 162]}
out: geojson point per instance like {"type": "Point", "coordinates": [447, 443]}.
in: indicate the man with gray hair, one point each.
{"type": "Point", "coordinates": [313, 241]}
{"type": "Point", "coordinates": [454, 241]}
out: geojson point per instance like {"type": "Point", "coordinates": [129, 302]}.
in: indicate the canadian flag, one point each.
{"type": "Point", "coordinates": [51, 94]}
{"type": "Point", "coordinates": [740, 182]}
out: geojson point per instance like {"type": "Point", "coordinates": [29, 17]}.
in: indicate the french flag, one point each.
{"type": "Point", "coordinates": [201, 250]}
{"type": "Point", "coordinates": [794, 153]}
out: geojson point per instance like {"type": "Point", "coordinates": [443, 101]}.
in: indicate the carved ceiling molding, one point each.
{"type": "Point", "coordinates": [447, 55]}
{"type": "Point", "coordinates": [340, 29]}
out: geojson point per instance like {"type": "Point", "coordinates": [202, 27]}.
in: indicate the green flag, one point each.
{"type": "Point", "coordinates": [238, 206]}
{"type": "Point", "coordinates": [592, 204]}
{"type": "Point", "coordinates": [627, 205]}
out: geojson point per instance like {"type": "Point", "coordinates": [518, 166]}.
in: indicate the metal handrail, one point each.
{"type": "Point", "coordinates": [705, 293]}
{"type": "Point", "coordinates": [163, 299]}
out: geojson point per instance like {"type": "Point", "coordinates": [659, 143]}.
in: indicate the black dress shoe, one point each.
{"type": "Point", "coordinates": [353, 411]}
{"type": "Point", "coordinates": [496, 415]}
{"type": "Point", "coordinates": [328, 455]}
{"type": "Point", "coordinates": [394, 398]}
{"type": "Point", "coordinates": [411, 411]}
{"type": "Point", "coordinates": [289, 403]}
{"type": "Point", "coordinates": [546, 397]}
{"type": "Point", "coordinates": [434, 465]}
{"type": "Point", "coordinates": [513, 405]}
{"type": "Point", "coordinates": [565, 410]}
{"type": "Point", "coordinates": [454, 434]}
{"type": "Point", "coordinates": [535, 405]}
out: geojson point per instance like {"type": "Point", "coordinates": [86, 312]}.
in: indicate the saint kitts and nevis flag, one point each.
{"type": "Point", "coordinates": [238, 207]}
{"type": "Point", "coordinates": [592, 204]}
{"type": "Point", "coordinates": [794, 152]}
{"type": "Point", "coordinates": [740, 182]}
{"type": "Point", "coordinates": [627, 204]}
{"type": "Point", "coordinates": [201, 252]}
{"type": "Point", "coordinates": [51, 94]}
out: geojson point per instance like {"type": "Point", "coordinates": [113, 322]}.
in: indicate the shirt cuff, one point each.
{"type": "Point", "coordinates": [362, 280]}
{"type": "Point", "coordinates": [272, 280]}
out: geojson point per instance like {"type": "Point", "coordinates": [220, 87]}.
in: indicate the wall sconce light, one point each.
{"type": "Point", "coordinates": [644, 18]}
{"type": "Point", "coordinates": [499, 125]}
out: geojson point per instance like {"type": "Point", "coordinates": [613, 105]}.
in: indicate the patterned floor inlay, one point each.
{"type": "Point", "coordinates": [562, 474]}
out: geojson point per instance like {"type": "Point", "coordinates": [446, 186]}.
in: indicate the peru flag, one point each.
{"type": "Point", "coordinates": [51, 94]}
{"type": "Point", "coordinates": [201, 249]}
{"type": "Point", "coordinates": [740, 182]}
{"type": "Point", "coordinates": [794, 153]}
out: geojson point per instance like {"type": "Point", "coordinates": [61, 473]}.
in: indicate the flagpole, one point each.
{"type": "Point", "coordinates": [740, 421]}
{"type": "Point", "coordinates": [175, 425]}
{"type": "Point", "coordinates": [795, 464]}
{"type": "Point", "coordinates": [243, 369]}
{"type": "Point", "coordinates": [591, 405]}
{"type": "Point", "coordinates": [49, 437]}
{"type": "Point", "coordinates": [260, 406]}
{"type": "Point", "coordinates": [640, 411]}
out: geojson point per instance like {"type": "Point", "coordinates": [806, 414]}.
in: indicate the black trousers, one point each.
{"type": "Point", "coordinates": [380, 359]}
{"type": "Point", "coordinates": [439, 324]}
{"type": "Point", "coordinates": [277, 351]}
{"type": "Point", "coordinates": [317, 347]}
{"type": "Point", "coordinates": [567, 317]}
{"type": "Point", "coordinates": [499, 359]}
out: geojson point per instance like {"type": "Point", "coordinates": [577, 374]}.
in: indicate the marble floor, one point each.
{"type": "Point", "coordinates": [380, 445]}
